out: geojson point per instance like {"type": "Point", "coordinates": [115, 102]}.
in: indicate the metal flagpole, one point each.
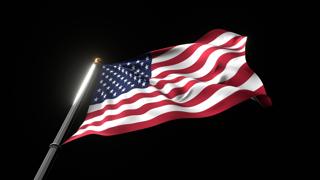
{"type": "Point", "coordinates": [53, 147]}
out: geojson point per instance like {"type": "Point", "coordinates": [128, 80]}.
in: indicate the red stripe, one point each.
{"type": "Point", "coordinates": [225, 104]}
{"type": "Point", "coordinates": [160, 84]}
{"type": "Point", "coordinates": [181, 57]}
{"type": "Point", "coordinates": [233, 41]}
{"type": "Point", "coordinates": [243, 74]}
{"type": "Point", "coordinates": [159, 52]}
{"type": "Point", "coordinates": [210, 36]}
{"type": "Point", "coordinates": [263, 99]}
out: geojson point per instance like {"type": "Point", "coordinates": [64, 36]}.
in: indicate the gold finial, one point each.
{"type": "Point", "coordinates": [97, 60]}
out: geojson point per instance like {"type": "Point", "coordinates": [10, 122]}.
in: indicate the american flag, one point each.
{"type": "Point", "coordinates": [192, 80]}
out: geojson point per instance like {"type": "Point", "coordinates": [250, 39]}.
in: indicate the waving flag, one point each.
{"type": "Point", "coordinates": [192, 80]}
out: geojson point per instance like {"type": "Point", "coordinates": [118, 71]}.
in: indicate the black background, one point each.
{"type": "Point", "coordinates": [54, 47]}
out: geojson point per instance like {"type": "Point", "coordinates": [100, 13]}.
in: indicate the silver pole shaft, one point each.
{"type": "Point", "coordinates": [64, 127]}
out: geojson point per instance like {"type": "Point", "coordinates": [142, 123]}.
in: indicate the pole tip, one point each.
{"type": "Point", "coordinates": [97, 60]}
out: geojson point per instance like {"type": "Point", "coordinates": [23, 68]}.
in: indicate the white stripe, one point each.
{"type": "Point", "coordinates": [231, 69]}
{"type": "Point", "coordinates": [248, 85]}
{"type": "Point", "coordinates": [223, 38]}
{"type": "Point", "coordinates": [171, 53]}
{"type": "Point", "coordinates": [194, 59]}
{"type": "Point", "coordinates": [251, 84]}
{"type": "Point", "coordinates": [239, 44]}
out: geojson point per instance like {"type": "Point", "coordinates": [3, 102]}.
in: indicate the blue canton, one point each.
{"type": "Point", "coordinates": [116, 79]}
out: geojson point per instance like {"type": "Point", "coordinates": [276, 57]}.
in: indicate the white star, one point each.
{"type": "Point", "coordinates": [113, 82]}
{"type": "Point", "coordinates": [103, 74]}
{"type": "Point", "coordinates": [129, 82]}
{"type": "Point", "coordinates": [118, 75]}
{"type": "Point", "coordinates": [115, 66]}
{"type": "Point", "coordinates": [114, 94]}
{"type": "Point", "coordinates": [99, 90]}
{"type": "Point", "coordinates": [134, 77]}
{"type": "Point", "coordinates": [147, 66]}
{"type": "Point", "coordinates": [111, 71]}
{"type": "Point", "coordinates": [141, 64]}
{"type": "Point", "coordinates": [104, 84]}
{"type": "Point", "coordinates": [132, 85]}
{"type": "Point", "coordinates": [147, 58]}
{"type": "Point", "coordinates": [107, 69]}
{"type": "Point", "coordinates": [119, 68]}
{"type": "Point", "coordinates": [107, 76]}
{"type": "Point", "coordinates": [120, 87]}
{"type": "Point", "coordinates": [125, 80]}
{"type": "Point", "coordinates": [123, 89]}
{"type": "Point", "coordinates": [111, 91]}
{"type": "Point", "coordinates": [133, 67]}
{"type": "Point", "coordinates": [95, 99]}
{"type": "Point", "coordinates": [138, 70]}
{"type": "Point", "coordinates": [117, 84]}
{"type": "Point", "coordinates": [122, 70]}
{"type": "Point", "coordinates": [130, 75]}
{"type": "Point", "coordinates": [104, 96]}
{"type": "Point", "coordinates": [146, 75]}
{"type": "Point", "coordinates": [142, 73]}
{"type": "Point", "coordinates": [108, 87]}
{"type": "Point", "coordinates": [126, 72]}
{"type": "Point", "coordinates": [110, 79]}
{"type": "Point", "coordinates": [102, 93]}
{"type": "Point", "coordinates": [139, 81]}
{"type": "Point", "coordinates": [103, 67]}
{"type": "Point", "coordinates": [144, 83]}
{"type": "Point", "coordinates": [115, 73]}
{"type": "Point", "coordinates": [128, 64]}
{"type": "Point", "coordinates": [101, 81]}
{"type": "Point", "coordinates": [122, 78]}
{"type": "Point", "coordinates": [138, 61]}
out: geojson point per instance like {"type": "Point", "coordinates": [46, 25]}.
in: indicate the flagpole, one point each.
{"type": "Point", "coordinates": [54, 146]}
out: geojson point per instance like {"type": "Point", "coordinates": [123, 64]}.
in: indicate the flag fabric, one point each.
{"type": "Point", "coordinates": [192, 80]}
